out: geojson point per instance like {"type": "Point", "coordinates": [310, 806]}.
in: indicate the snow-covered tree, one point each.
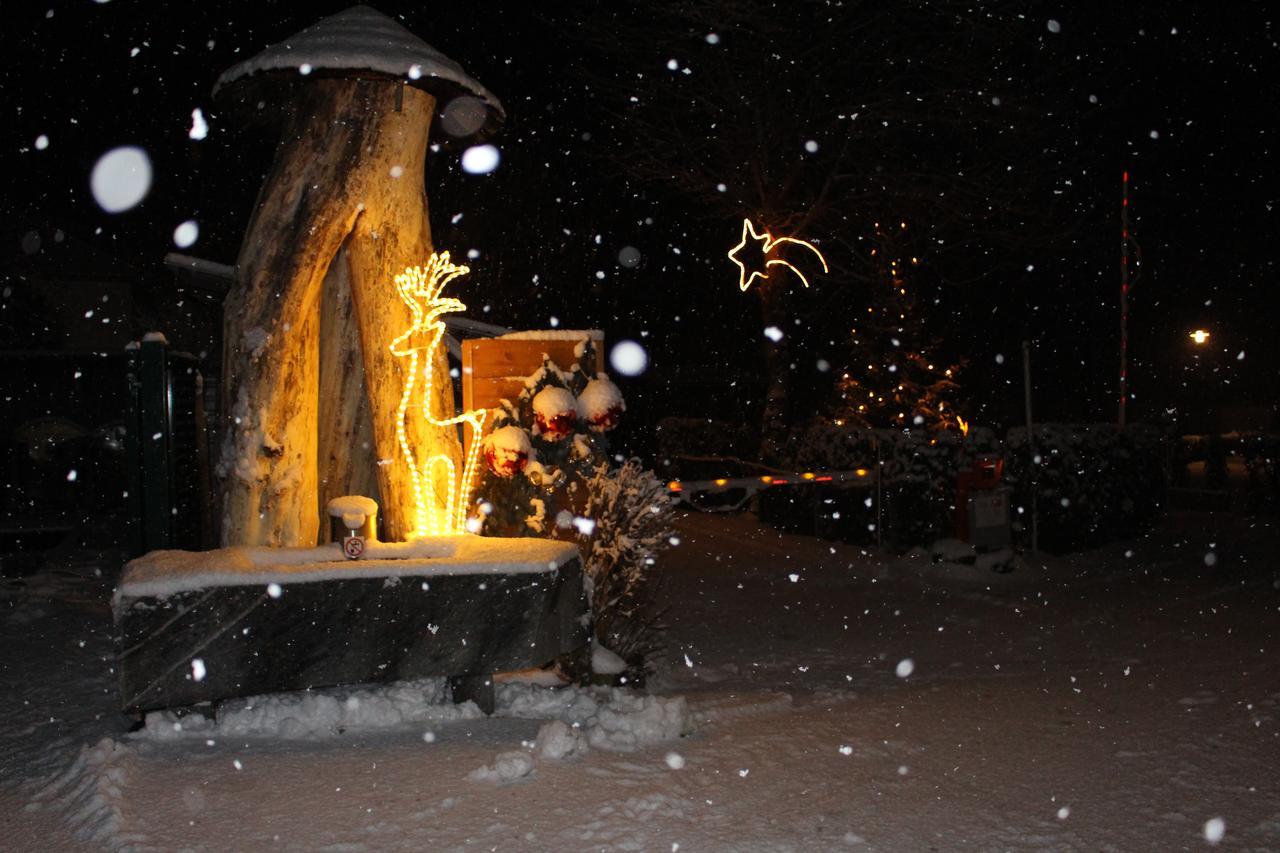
{"type": "Point", "coordinates": [548, 474]}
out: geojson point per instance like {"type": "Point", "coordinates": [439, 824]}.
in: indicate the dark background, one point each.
{"type": "Point", "coordinates": [1181, 90]}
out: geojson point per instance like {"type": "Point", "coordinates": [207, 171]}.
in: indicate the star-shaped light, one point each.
{"type": "Point", "coordinates": [749, 234]}
{"type": "Point", "coordinates": [768, 244]}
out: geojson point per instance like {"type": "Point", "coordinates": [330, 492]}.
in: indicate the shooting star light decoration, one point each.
{"type": "Point", "coordinates": [767, 244]}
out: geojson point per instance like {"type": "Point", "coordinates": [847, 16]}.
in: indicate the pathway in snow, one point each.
{"type": "Point", "coordinates": [1101, 702]}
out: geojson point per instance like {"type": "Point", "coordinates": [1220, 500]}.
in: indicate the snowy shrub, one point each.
{"type": "Point", "coordinates": [1261, 452]}
{"type": "Point", "coordinates": [908, 456]}
{"type": "Point", "coordinates": [548, 473]}
{"type": "Point", "coordinates": [918, 482]}
{"type": "Point", "coordinates": [1093, 483]}
{"type": "Point", "coordinates": [632, 523]}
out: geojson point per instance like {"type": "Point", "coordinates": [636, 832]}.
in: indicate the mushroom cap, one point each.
{"type": "Point", "coordinates": [359, 42]}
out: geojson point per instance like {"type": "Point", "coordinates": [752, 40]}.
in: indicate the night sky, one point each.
{"type": "Point", "coordinates": [1176, 93]}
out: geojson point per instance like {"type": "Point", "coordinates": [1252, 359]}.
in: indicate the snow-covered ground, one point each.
{"type": "Point", "coordinates": [814, 698]}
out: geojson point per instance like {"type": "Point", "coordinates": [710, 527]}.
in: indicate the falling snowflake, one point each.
{"type": "Point", "coordinates": [199, 127]}
{"type": "Point", "coordinates": [629, 358]}
{"type": "Point", "coordinates": [186, 234]}
{"type": "Point", "coordinates": [480, 159]}
{"type": "Point", "coordinates": [121, 178]}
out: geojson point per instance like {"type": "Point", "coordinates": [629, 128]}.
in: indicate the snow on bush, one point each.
{"type": "Point", "coordinates": [606, 662]}
{"type": "Point", "coordinates": [632, 515]}
{"type": "Point", "coordinates": [601, 404]}
{"type": "Point", "coordinates": [570, 489]}
{"type": "Point", "coordinates": [1093, 482]}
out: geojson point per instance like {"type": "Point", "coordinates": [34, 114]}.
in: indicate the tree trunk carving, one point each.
{"type": "Point", "coordinates": [346, 189]}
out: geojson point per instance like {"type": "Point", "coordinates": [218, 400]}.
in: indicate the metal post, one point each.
{"type": "Point", "coordinates": [1124, 296]}
{"type": "Point", "coordinates": [150, 444]}
{"type": "Point", "coordinates": [1031, 445]}
{"type": "Point", "coordinates": [879, 494]}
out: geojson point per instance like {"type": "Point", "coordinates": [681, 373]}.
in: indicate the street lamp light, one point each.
{"type": "Point", "coordinates": [1200, 336]}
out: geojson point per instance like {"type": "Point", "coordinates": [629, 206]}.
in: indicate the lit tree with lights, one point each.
{"type": "Point", "coordinates": [894, 375]}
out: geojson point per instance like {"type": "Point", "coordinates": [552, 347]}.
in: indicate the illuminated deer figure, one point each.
{"type": "Point", "coordinates": [420, 288]}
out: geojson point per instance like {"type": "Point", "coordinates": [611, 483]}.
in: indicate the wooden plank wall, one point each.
{"type": "Point", "coordinates": [494, 369]}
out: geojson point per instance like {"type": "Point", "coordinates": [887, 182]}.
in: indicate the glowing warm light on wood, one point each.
{"type": "Point", "coordinates": [420, 288]}
{"type": "Point", "coordinates": [768, 244]}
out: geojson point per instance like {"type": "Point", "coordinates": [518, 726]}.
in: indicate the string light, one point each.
{"type": "Point", "coordinates": [767, 244]}
{"type": "Point", "coordinates": [420, 288]}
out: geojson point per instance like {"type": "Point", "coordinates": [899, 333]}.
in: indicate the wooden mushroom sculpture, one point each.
{"type": "Point", "coordinates": [310, 379]}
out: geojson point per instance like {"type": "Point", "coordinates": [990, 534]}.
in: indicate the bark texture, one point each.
{"type": "Point", "coordinates": [345, 450]}
{"type": "Point", "coordinates": [348, 176]}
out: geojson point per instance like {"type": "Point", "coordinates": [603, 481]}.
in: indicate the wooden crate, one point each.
{"type": "Point", "coordinates": [494, 369]}
{"type": "Point", "coordinates": [345, 622]}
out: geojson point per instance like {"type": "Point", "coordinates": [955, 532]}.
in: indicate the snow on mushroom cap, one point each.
{"type": "Point", "coordinates": [352, 505]}
{"type": "Point", "coordinates": [362, 39]}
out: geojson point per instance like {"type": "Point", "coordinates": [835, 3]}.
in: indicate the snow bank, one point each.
{"type": "Point", "coordinates": [89, 792]}
{"type": "Point", "coordinates": [164, 573]}
{"type": "Point", "coordinates": [507, 767]}
{"type": "Point", "coordinates": [611, 719]}
{"type": "Point", "coordinates": [317, 714]}
{"type": "Point", "coordinates": [587, 718]}
{"type": "Point", "coordinates": [558, 741]}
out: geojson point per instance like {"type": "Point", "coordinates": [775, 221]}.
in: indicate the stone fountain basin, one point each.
{"type": "Point", "coordinates": [263, 620]}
